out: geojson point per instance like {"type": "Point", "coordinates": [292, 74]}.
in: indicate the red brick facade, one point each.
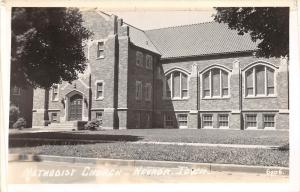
{"type": "Point", "coordinates": [125, 85]}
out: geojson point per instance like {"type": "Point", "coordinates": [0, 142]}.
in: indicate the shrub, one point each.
{"type": "Point", "coordinates": [81, 125]}
{"type": "Point", "coordinates": [92, 125]}
{"type": "Point", "coordinates": [14, 114]}
{"type": "Point", "coordinates": [285, 147]}
{"type": "Point", "coordinates": [20, 123]}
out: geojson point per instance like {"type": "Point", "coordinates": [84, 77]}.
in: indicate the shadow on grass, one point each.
{"type": "Point", "coordinates": [65, 138]}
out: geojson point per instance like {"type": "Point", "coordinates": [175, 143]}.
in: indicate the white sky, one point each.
{"type": "Point", "coordinates": [159, 19]}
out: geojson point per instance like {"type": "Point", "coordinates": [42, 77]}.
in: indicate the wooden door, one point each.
{"type": "Point", "coordinates": [75, 110]}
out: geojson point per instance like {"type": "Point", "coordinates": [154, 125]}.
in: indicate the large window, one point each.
{"type": "Point", "coordinates": [177, 85]}
{"type": "Point", "coordinates": [259, 81]}
{"type": "Point", "coordinates": [55, 92]}
{"type": "Point", "coordinates": [215, 83]}
{"type": "Point", "coordinates": [99, 90]}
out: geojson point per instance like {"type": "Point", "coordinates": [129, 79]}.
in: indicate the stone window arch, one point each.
{"type": "Point", "coordinates": [215, 83]}
{"type": "Point", "coordinates": [176, 84]}
{"type": "Point", "coordinates": [259, 80]}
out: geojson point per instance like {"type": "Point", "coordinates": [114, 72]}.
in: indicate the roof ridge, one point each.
{"type": "Point", "coordinates": [181, 25]}
{"type": "Point", "coordinates": [133, 26]}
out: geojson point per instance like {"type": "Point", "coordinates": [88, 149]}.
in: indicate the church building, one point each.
{"type": "Point", "coordinates": [198, 76]}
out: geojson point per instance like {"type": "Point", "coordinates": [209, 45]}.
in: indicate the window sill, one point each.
{"type": "Point", "coordinates": [99, 99]}
{"type": "Point", "coordinates": [101, 57]}
{"type": "Point", "coordinates": [260, 96]}
{"type": "Point", "coordinates": [55, 100]}
{"type": "Point", "coordinates": [214, 98]}
{"type": "Point", "coordinates": [251, 128]}
{"type": "Point", "coordinates": [176, 99]}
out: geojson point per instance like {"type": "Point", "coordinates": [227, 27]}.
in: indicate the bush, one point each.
{"type": "Point", "coordinates": [93, 125]}
{"type": "Point", "coordinates": [20, 123]}
{"type": "Point", "coordinates": [14, 114]}
{"type": "Point", "coordinates": [285, 147]}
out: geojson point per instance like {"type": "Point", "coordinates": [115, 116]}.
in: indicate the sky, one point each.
{"type": "Point", "coordinates": [159, 19]}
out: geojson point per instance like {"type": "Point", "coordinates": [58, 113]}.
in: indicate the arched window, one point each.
{"type": "Point", "coordinates": [176, 86]}
{"type": "Point", "coordinates": [259, 81]}
{"type": "Point", "coordinates": [215, 83]}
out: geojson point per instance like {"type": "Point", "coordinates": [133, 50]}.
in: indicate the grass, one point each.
{"type": "Point", "coordinates": [114, 144]}
{"type": "Point", "coordinates": [249, 137]}
{"type": "Point", "coordinates": [123, 150]}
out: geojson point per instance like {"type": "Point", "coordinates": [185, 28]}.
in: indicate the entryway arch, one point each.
{"type": "Point", "coordinates": [75, 106]}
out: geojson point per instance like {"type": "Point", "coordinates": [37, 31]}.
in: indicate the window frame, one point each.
{"type": "Point", "coordinates": [246, 121]}
{"type": "Point", "coordinates": [149, 58]}
{"type": "Point", "coordinates": [99, 51]}
{"type": "Point", "coordinates": [209, 70]}
{"type": "Point", "coordinates": [203, 121]}
{"type": "Point", "coordinates": [165, 91]}
{"type": "Point", "coordinates": [139, 57]}
{"type": "Point", "coordinates": [254, 83]}
{"type": "Point", "coordinates": [99, 119]}
{"type": "Point", "coordinates": [274, 121]}
{"type": "Point", "coordinates": [96, 90]}
{"type": "Point", "coordinates": [227, 121]}
{"type": "Point", "coordinates": [57, 92]}
{"type": "Point", "coordinates": [18, 92]}
{"type": "Point", "coordinates": [168, 120]}
{"type": "Point", "coordinates": [148, 89]}
{"type": "Point", "coordinates": [138, 97]}
{"type": "Point", "coordinates": [54, 120]}
{"type": "Point", "coordinates": [178, 120]}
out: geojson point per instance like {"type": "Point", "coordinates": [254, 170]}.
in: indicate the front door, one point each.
{"type": "Point", "coordinates": [75, 110]}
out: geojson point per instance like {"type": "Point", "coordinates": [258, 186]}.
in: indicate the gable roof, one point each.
{"type": "Point", "coordinates": [199, 39]}
{"type": "Point", "coordinates": [140, 39]}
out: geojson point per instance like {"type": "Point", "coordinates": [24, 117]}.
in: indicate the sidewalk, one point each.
{"type": "Point", "coordinates": [156, 143]}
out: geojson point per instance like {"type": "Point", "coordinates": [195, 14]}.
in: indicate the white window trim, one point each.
{"type": "Point", "coordinates": [98, 41]}
{"type": "Point", "coordinates": [52, 92]}
{"type": "Point", "coordinates": [137, 55]}
{"type": "Point", "coordinates": [269, 128]}
{"type": "Point", "coordinates": [138, 83]}
{"type": "Point", "coordinates": [212, 121]}
{"type": "Point", "coordinates": [149, 65]}
{"type": "Point", "coordinates": [251, 128]}
{"type": "Point", "coordinates": [148, 86]}
{"type": "Point", "coordinates": [254, 83]}
{"type": "Point", "coordinates": [223, 127]}
{"type": "Point", "coordinates": [210, 84]}
{"type": "Point", "coordinates": [96, 90]}
{"type": "Point", "coordinates": [187, 120]}
{"type": "Point", "coordinates": [165, 97]}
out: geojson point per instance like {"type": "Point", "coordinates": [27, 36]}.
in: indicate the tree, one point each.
{"type": "Point", "coordinates": [47, 46]}
{"type": "Point", "coordinates": [269, 26]}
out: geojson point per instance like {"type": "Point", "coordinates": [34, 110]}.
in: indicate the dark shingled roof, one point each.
{"type": "Point", "coordinates": [140, 39]}
{"type": "Point", "coordinates": [199, 39]}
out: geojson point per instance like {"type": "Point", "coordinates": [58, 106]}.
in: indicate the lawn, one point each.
{"type": "Point", "coordinates": [123, 150]}
{"type": "Point", "coordinates": [249, 137]}
{"type": "Point", "coordinates": [116, 144]}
